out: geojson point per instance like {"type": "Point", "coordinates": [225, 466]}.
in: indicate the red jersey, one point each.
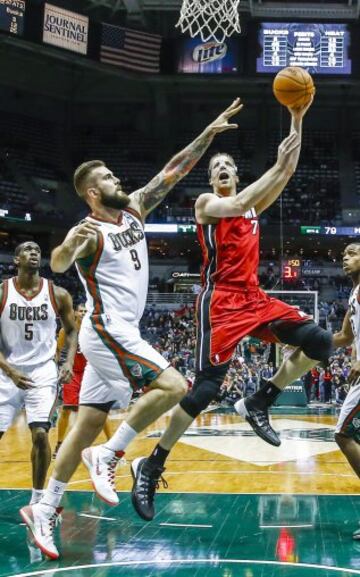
{"type": "Point", "coordinates": [230, 250]}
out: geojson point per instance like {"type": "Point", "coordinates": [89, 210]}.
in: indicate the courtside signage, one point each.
{"type": "Point", "coordinates": [65, 29]}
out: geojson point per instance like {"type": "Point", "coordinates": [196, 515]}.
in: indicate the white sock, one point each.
{"type": "Point", "coordinates": [53, 493]}
{"type": "Point", "coordinates": [36, 496]}
{"type": "Point", "coordinates": [121, 438]}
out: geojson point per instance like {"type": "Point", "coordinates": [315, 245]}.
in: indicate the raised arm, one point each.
{"type": "Point", "coordinates": [345, 336]}
{"type": "Point", "coordinates": [211, 206]}
{"type": "Point", "coordinates": [147, 198]}
{"type": "Point", "coordinates": [80, 242]}
{"type": "Point", "coordinates": [297, 115]}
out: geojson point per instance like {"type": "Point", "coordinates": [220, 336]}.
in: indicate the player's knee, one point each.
{"type": "Point", "coordinates": [171, 383]}
{"type": "Point", "coordinates": [40, 439]}
{"type": "Point", "coordinates": [315, 342]}
{"type": "Point", "coordinates": [204, 391]}
{"type": "Point", "coordinates": [179, 387]}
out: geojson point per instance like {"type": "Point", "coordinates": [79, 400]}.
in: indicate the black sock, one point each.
{"type": "Point", "coordinates": [266, 396]}
{"type": "Point", "coordinates": [157, 458]}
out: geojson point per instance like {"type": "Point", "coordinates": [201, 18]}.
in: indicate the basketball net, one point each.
{"type": "Point", "coordinates": [212, 19]}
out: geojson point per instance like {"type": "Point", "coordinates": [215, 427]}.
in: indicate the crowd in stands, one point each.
{"type": "Point", "coordinates": [172, 333]}
{"type": "Point", "coordinates": [33, 153]}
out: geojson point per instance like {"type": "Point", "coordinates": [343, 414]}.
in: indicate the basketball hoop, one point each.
{"type": "Point", "coordinates": [212, 19]}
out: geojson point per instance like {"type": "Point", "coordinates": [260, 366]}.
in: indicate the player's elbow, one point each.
{"type": "Point", "coordinates": [242, 205]}
{"type": "Point", "coordinates": [57, 262]}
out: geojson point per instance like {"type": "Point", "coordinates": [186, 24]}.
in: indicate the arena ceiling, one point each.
{"type": "Point", "coordinates": [347, 9]}
{"type": "Point", "coordinates": [40, 69]}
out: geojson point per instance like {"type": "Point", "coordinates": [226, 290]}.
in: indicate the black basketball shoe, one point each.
{"type": "Point", "coordinates": [146, 481]}
{"type": "Point", "coordinates": [258, 418]}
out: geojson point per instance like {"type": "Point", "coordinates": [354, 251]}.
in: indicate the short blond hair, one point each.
{"type": "Point", "coordinates": [82, 173]}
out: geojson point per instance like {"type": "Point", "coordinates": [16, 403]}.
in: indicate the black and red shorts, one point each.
{"type": "Point", "coordinates": [225, 317]}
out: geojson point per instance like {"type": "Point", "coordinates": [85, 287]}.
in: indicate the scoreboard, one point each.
{"type": "Point", "coordinates": [291, 269]}
{"type": "Point", "coordinates": [331, 230]}
{"type": "Point", "coordinates": [12, 13]}
{"type": "Point", "coordinates": [320, 48]}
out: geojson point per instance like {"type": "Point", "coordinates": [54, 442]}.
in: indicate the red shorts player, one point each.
{"type": "Point", "coordinates": [231, 305]}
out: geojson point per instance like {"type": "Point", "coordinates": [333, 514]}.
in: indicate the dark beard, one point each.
{"type": "Point", "coordinates": [115, 201]}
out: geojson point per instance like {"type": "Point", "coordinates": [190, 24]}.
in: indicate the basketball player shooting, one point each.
{"type": "Point", "coordinates": [28, 374]}
{"type": "Point", "coordinates": [110, 253]}
{"type": "Point", "coordinates": [231, 305]}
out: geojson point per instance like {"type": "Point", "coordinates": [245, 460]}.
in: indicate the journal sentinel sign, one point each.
{"type": "Point", "coordinates": [65, 29]}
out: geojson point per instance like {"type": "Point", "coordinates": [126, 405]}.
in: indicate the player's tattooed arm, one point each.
{"type": "Point", "coordinates": [147, 198]}
{"type": "Point", "coordinates": [345, 336]}
{"type": "Point", "coordinates": [66, 313]}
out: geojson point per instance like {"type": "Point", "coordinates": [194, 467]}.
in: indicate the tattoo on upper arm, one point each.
{"type": "Point", "coordinates": [178, 167]}
{"type": "Point", "coordinates": [154, 191]}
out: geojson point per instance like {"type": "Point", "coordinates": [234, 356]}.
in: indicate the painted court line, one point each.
{"type": "Point", "coordinates": [210, 492]}
{"type": "Point", "coordinates": [185, 525]}
{"type": "Point", "coordinates": [212, 562]}
{"type": "Point", "coordinates": [285, 526]}
{"type": "Point", "coordinates": [97, 517]}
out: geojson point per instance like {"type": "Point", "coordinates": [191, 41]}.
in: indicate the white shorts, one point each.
{"type": "Point", "coordinates": [39, 402]}
{"type": "Point", "coordinates": [349, 419]}
{"type": "Point", "coordinates": [119, 361]}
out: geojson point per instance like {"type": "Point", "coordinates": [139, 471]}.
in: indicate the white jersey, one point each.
{"type": "Point", "coordinates": [354, 308]}
{"type": "Point", "coordinates": [28, 325]}
{"type": "Point", "coordinates": [116, 277]}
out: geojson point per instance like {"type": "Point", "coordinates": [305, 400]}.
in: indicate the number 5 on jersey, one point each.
{"type": "Point", "coordinates": [135, 259]}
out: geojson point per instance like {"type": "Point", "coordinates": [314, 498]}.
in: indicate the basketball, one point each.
{"type": "Point", "coordinates": [293, 86]}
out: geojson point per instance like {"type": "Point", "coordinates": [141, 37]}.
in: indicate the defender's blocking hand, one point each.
{"type": "Point", "coordinates": [221, 123]}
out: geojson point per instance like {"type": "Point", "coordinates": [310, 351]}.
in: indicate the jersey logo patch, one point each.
{"type": "Point", "coordinates": [136, 370]}
{"type": "Point", "coordinates": [356, 423]}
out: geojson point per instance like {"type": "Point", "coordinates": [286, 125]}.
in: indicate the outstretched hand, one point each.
{"type": "Point", "coordinates": [221, 123]}
{"type": "Point", "coordinates": [299, 112]}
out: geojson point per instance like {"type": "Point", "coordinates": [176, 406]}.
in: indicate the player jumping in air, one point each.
{"type": "Point", "coordinates": [231, 305]}
{"type": "Point", "coordinates": [110, 252]}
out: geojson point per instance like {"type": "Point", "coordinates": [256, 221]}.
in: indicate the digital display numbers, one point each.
{"type": "Point", "coordinates": [291, 269]}
{"type": "Point", "coordinates": [331, 230]}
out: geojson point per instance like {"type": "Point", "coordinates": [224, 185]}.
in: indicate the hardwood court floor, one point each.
{"type": "Point", "coordinates": [235, 506]}
{"type": "Point", "coordinates": [220, 453]}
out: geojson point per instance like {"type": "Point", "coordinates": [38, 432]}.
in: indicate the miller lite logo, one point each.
{"type": "Point", "coordinates": [209, 52]}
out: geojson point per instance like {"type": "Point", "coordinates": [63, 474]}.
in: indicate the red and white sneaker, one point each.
{"type": "Point", "coordinates": [42, 520]}
{"type": "Point", "coordinates": [102, 471]}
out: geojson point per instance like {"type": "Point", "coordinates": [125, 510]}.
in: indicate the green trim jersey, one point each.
{"type": "Point", "coordinates": [354, 308]}
{"type": "Point", "coordinates": [116, 281]}
{"type": "Point", "coordinates": [348, 423]}
{"type": "Point", "coordinates": [28, 325]}
{"type": "Point", "coordinates": [116, 277]}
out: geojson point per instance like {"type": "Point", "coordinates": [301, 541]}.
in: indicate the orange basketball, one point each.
{"type": "Point", "coordinates": [293, 86]}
